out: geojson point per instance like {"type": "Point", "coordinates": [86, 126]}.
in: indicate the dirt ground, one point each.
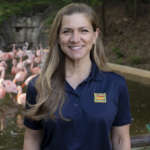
{"type": "Point", "coordinates": [127, 41]}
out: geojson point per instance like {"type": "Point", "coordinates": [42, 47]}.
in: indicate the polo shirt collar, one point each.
{"type": "Point", "coordinates": [95, 74]}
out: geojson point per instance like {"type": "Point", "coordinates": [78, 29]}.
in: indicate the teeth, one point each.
{"type": "Point", "coordinates": [75, 47]}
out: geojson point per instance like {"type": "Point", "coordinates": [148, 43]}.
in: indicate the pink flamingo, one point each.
{"type": "Point", "coordinates": [20, 76]}
{"type": "Point", "coordinates": [34, 70]}
{"type": "Point", "coordinates": [2, 89]}
{"type": "Point", "coordinates": [3, 64]}
{"type": "Point", "coordinates": [1, 54]}
{"type": "Point", "coordinates": [30, 58]}
{"type": "Point", "coordinates": [27, 61]}
{"type": "Point", "coordinates": [20, 53]}
{"type": "Point", "coordinates": [38, 52]}
{"type": "Point", "coordinates": [14, 49]}
{"type": "Point", "coordinates": [10, 55]}
{"type": "Point", "coordinates": [2, 92]}
{"type": "Point", "coordinates": [10, 86]}
{"type": "Point", "coordinates": [7, 85]}
{"type": "Point", "coordinates": [37, 59]}
{"type": "Point", "coordinates": [30, 54]}
{"type": "Point", "coordinates": [2, 71]}
{"type": "Point", "coordinates": [26, 82]}
{"type": "Point", "coordinates": [4, 56]}
{"type": "Point", "coordinates": [20, 65]}
{"type": "Point", "coordinates": [14, 67]}
{"type": "Point", "coordinates": [21, 97]}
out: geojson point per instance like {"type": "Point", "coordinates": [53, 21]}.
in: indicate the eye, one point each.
{"type": "Point", "coordinates": [84, 30]}
{"type": "Point", "coordinates": [66, 31]}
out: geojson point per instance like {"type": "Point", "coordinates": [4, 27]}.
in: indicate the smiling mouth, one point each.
{"type": "Point", "coordinates": [75, 48]}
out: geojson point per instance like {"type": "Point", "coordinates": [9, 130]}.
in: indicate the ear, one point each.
{"type": "Point", "coordinates": [96, 35]}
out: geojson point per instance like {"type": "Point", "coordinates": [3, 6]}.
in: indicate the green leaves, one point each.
{"type": "Point", "coordinates": [95, 2]}
{"type": "Point", "coordinates": [21, 7]}
{"type": "Point", "coordinates": [30, 7]}
{"type": "Point", "coordinates": [118, 52]}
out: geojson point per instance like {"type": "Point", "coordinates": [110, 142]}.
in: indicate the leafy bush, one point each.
{"type": "Point", "coordinates": [119, 61]}
{"type": "Point", "coordinates": [118, 52]}
{"type": "Point", "coordinates": [135, 60]}
{"type": "Point", "coordinates": [22, 7]}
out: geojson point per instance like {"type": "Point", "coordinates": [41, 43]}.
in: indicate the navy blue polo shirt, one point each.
{"type": "Point", "coordinates": [94, 107]}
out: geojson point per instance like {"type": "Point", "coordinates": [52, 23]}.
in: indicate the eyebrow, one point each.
{"type": "Point", "coordinates": [69, 28]}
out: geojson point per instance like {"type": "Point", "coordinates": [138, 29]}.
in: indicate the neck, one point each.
{"type": "Point", "coordinates": [76, 67]}
{"type": "Point", "coordinates": [77, 71]}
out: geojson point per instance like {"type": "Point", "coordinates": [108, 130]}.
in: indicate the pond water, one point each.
{"type": "Point", "coordinates": [11, 120]}
{"type": "Point", "coordinates": [140, 108]}
{"type": "Point", "coordinates": [11, 124]}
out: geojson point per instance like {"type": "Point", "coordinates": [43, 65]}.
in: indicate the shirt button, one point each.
{"type": "Point", "coordinates": [76, 105]}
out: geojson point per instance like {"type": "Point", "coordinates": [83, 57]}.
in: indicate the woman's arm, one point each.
{"type": "Point", "coordinates": [121, 138]}
{"type": "Point", "coordinates": [32, 139]}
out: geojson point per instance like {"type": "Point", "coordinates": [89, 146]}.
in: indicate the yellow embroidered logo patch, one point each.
{"type": "Point", "coordinates": [100, 98]}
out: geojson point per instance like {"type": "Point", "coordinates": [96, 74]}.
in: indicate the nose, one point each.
{"type": "Point", "coordinates": [75, 37]}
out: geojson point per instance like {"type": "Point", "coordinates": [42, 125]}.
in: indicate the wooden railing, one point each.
{"type": "Point", "coordinates": [140, 140]}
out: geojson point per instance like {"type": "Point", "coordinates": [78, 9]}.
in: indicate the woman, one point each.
{"type": "Point", "coordinates": [78, 104]}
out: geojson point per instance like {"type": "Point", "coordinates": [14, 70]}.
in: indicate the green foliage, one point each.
{"type": "Point", "coordinates": [119, 61]}
{"type": "Point", "coordinates": [119, 55]}
{"type": "Point", "coordinates": [133, 46]}
{"type": "Point", "coordinates": [118, 52]}
{"type": "Point", "coordinates": [95, 2]}
{"type": "Point", "coordinates": [135, 60]}
{"type": "Point", "coordinates": [60, 4]}
{"type": "Point", "coordinates": [22, 7]}
{"type": "Point", "coordinates": [50, 18]}
{"type": "Point", "coordinates": [30, 7]}
{"type": "Point", "coordinates": [66, 1]}
{"type": "Point", "coordinates": [27, 7]}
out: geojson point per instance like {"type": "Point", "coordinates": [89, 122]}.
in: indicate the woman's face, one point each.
{"type": "Point", "coordinates": [76, 36]}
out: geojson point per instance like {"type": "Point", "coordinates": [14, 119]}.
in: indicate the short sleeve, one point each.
{"type": "Point", "coordinates": [123, 114]}
{"type": "Point", "coordinates": [31, 99]}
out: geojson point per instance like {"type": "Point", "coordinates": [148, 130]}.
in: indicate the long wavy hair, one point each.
{"type": "Point", "coordinates": [51, 81]}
